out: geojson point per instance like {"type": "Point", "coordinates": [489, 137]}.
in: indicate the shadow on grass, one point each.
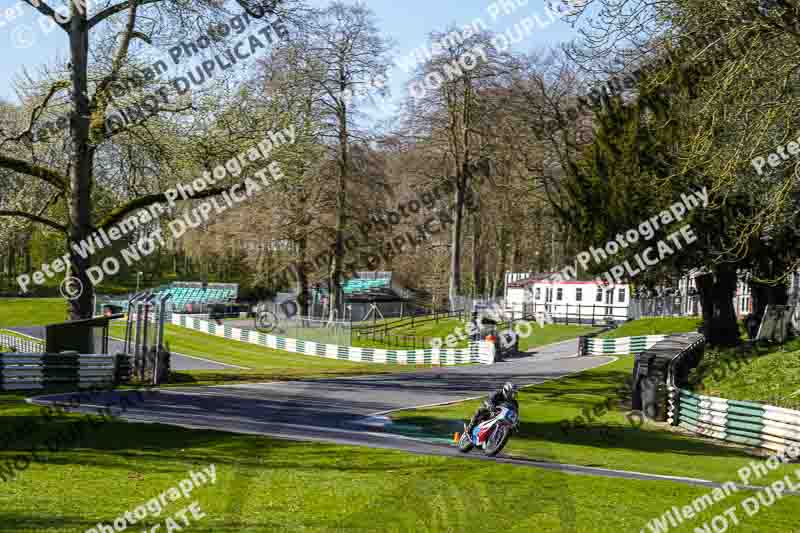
{"type": "Point", "coordinates": [112, 444]}
{"type": "Point", "coordinates": [118, 451]}
{"type": "Point", "coordinates": [534, 440]}
{"type": "Point", "coordinates": [550, 414]}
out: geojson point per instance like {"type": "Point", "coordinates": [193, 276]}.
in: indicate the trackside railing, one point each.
{"type": "Point", "coordinates": [412, 321]}
{"type": "Point", "coordinates": [749, 423]}
{"type": "Point", "coordinates": [28, 371]}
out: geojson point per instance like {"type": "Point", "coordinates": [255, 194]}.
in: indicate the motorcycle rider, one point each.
{"type": "Point", "coordinates": [508, 394]}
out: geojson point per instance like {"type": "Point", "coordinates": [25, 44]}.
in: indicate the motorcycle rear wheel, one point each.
{"type": "Point", "coordinates": [497, 441]}
{"type": "Point", "coordinates": [464, 443]}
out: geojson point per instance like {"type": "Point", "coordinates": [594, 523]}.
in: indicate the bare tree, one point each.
{"type": "Point", "coordinates": [342, 58]}
{"type": "Point", "coordinates": [89, 103]}
{"type": "Point", "coordinates": [446, 105]}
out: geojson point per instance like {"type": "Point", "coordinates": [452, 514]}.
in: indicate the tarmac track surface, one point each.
{"type": "Point", "coordinates": [340, 410]}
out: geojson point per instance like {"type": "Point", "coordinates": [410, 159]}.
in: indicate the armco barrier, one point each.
{"type": "Point", "coordinates": [749, 423]}
{"type": "Point", "coordinates": [620, 345]}
{"type": "Point", "coordinates": [27, 371]}
{"type": "Point", "coordinates": [477, 352]}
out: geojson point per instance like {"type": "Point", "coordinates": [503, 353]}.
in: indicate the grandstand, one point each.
{"type": "Point", "coordinates": [367, 290]}
{"type": "Point", "coordinates": [367, 286]}
{"type": "Point", "coordinates": [187, 294]}
{"type": "Point", "coordinates": [187, 297]}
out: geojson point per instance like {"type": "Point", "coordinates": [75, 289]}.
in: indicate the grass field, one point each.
{"type": "Point", "coordinates": [771, 375]}
{"type": "Point", "coordinates": [550, 333]}
{"type": "Point", "coordinates": [264, 364]}
{"type": "Point", "coordinates": [551, 430]}
{"type": "Point", "coordinates": [266, 485]}
{"type": "Point", "coordinates": [31, 311]}
{"type": "Point", "coordinates": [654, 326]}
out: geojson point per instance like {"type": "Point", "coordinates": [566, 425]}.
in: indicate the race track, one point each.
{"type": "Point", "coordinates": [334, 409]}
{"type": "Point", "coordinates": [340, 410]}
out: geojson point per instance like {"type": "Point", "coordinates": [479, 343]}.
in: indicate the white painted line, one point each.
{"type": "Point", "coordinates": [195, 357]}
{"type": "Point", "coordinates": [211, 361]}
{"type": "Point", "coordinates": [23, 334]}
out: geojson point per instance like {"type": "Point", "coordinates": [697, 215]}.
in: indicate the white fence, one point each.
{"type": "Point", "coordinates": [477, 352]}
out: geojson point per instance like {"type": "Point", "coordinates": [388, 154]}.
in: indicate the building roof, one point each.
{"type": "Point", "coordinates": [531, 280]}
{"type": "Point", "coordinates": [546, 277]}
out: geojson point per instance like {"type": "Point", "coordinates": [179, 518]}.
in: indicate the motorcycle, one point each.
{"type": "Point", "coordinates": [493, 434]}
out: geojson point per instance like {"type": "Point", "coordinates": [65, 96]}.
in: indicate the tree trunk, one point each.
{"type": "Point", "coordinates": [455, 245]}
{"type": "Point", "coordinates": [717, 291]}
{"type": "Point", "coordinates": [302, 278]}
{"type": "Point", "coordinates": [27, 251]}
{"type": "Point", "coordinates": [477, 260]}
{"type": "Point", "coordinates": [338, 255]}
{"type": "Point", "coordinates": [498, 280]}
{"type": "Point", "coordinates": [80, 211]}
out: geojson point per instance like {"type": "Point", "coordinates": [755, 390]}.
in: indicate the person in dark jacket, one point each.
{"type": "Point", "coordinates": [508, 394]}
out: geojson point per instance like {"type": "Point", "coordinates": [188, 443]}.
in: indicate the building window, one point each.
{"type": "Point", "coordinates": [599, 297]}
{"type": "Point", "coordinates": [621, 297]}
{"type": "Point", "coordinates": [559, 294]}
{"type": "Point", "coordinates": [578, 294]}
{"type": "Point", "coordinates": [538, 293]}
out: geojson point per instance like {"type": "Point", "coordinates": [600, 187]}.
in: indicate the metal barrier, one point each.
{"type": "Point", "coordinates": [412, 321]}
{"type": "Point", "coordinates": [28, 371]}
{"type": "Point", "coordinates": [748, 423]}
{"type": "Point", "coordinates": [752, 424]}
{"type": "Point", "coordinates": [654, 368]}
{"type": "Point", "coordinates": [566, 313]}
{"type": "Point", "coordinates": [144, 336]}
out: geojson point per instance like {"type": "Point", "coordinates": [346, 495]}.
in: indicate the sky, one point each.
{"type": "Point", "coordinates": [27, 43]}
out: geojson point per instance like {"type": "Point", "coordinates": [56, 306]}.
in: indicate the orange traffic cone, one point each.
{"type": "Point", "coordinates": [456, 436]}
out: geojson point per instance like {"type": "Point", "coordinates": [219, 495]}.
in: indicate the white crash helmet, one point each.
{"type": "Point", "coordinates": [510, 391]}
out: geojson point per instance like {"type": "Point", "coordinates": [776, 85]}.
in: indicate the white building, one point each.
{"type": "Point", "coordinates": [572, 301]}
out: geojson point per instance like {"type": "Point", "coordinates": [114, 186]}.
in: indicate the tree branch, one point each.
{"type": "Point", "coordinates": [113, 10]}
{"type": "Point", "coordinates": [47, 11]}
{"type": "Point", "coordinates": [34, 218]}
{"type": "Point", "coordinates": [23, 167]}
{"type": "Point", "coordinates": [37, 112]}
{"type": "Point", "coordinates": [157, 198]}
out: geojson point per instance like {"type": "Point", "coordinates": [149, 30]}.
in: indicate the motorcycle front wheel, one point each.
{"type": "Point", "coordinates": [464, 443]}
{"type": "Point", "coordinates": [497, 441]}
